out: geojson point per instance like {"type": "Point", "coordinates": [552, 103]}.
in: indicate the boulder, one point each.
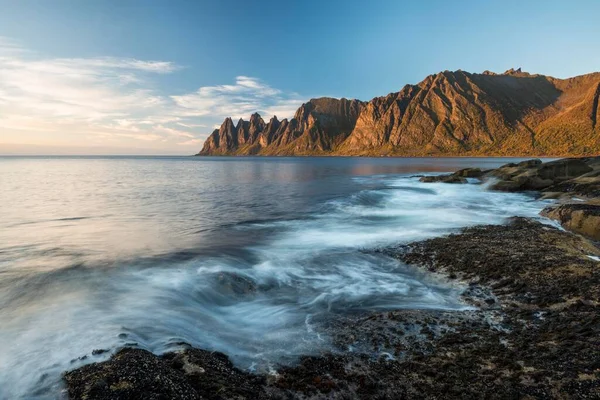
{"type": "Point", "coordinates": [586, 185]}
{"type": "Point", "coordinates": [582, 218]}
{"type": "Point", "coordinates": [593, 162]}
{"type": "Point", "coordinates": [505, 186]}
{"type": "Point", "coordinates": [232, 284]}
{"type": "Point", "coordinates": [531, 180]}
{"type": "Point", "coordinates": [575, 175]}
{"type": "Point", "coordinates": [456, 177]}
{"type": "Point", "coordinates": [529, 163]}
{"type": "Point", "coordinates": [509, 171]}
{"type": "Point", "coordinates": [443, 178]}
{"type": "Point", "coordinates": [563, 169]}
{"type": "Point", "coordinates": [535, 175]}
{"type": "Point", "coordinates": [469, 173]}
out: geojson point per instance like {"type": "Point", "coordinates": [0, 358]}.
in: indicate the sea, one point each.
{"type": "Point", "coordinates": [244, 255]}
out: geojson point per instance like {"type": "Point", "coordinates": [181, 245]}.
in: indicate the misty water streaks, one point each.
{"type": "Point", "coordinates": [243, 256]}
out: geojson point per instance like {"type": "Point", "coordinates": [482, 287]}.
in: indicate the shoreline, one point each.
{"type": "Point", "coordinates": [533, 334]}
{"type": "Point", "coordinates": [382, 156]}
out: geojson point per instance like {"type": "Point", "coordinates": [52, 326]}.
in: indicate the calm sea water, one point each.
{"type": "Point", "coordinates": [241, 255]}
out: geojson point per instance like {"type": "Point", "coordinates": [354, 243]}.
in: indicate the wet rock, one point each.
{"type": "Point", "coordinates": [529, 163]}
{"type": "Point", "coordinates": [535, 175]}
{"type": "Point", "coordinates": [139, 374]}
{"type": "Point", "coordinates": [582, 174]}
{"type": "Point", "coordinates": [583, 218]}
{"type": "Point", "coordinates": [525, 182]}
{"type": "Point", "coordinates": [129, 374]}
{"type": "Point", "coordinates": [586, 185]}
{"type": "Point", "coordinates": [443, 178]}
{"type": "Point", "coordinates": [213, 376]}
{"type": "Point", "coordinates": [549, 293]}
{"type": "Point", "coordinates": [237, 284]}
{"type": "Point", "coordinates": [469, 173]}
{"type": "Point", "coordinates": [506, 186]}
{"type": "Point", "coordinates": [563, 169]}
{"type": "Point", "coordinates": [525, 256]}
{"type": "Point", "coordinates": [456, 177]}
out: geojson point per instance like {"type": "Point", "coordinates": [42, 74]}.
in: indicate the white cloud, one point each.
{"type": "Point", "coordinates": [42, 94]}
{"type": "Point", "coordinates": [144, 136]}
{"type": "Point", "coordinates": [9, 45]}
{"type": "Point", "coordinates": [70, 100]}
{"type": "Point", "coordinates": [162, 67]}
{"type": "Point", "coordinates": [187, 125]}
{"type": "Point", "coordinates": [284, 109]}
{"type": "Point", "coordinates": [174, 132]}
{"type": "Point", "coordinates": [191, 142]}
{"type": "Point", "coordinates": [246, 96]}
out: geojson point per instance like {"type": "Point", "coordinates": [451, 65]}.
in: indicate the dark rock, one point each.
{"type": "Point", "coordinates": [506, 186]}
{"type": "Point", "coordinates": [442, 178]}
{"type": "Point", "coordinates": [563, 169]}
{"type": "Point", "coordinates": [528, 163]}
{"type": "Point", "coordinates": [525, 182]}
{"type": "Point", "coordinates": [534, 175]}
{"type": "Point", "coordinates": [139, 374]}
{"type": "Point", "coordinates": [232, 283]}
{"type": "Point", "coordinates": [586, 185]}
{"type": "Point", "coordinates": [469, 173]}
{"type": "Point", "coordinates": [213, 376]}
{"type": "Point", "coordinates": [547, 287]}
{"type": "Point", "coordinates": [521, 255]}
{"type": "Point", "coordinates": [129, 374]}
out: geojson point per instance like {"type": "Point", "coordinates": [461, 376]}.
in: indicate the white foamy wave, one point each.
{"type": "Point", "coordinates": [258, 306]}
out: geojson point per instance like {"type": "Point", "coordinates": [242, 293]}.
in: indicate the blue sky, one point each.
{"type": "Point", "coordinates": [119, 76]}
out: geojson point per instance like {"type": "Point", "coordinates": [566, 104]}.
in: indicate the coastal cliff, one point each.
{"type": "Point", "coordinates": [447, 114]}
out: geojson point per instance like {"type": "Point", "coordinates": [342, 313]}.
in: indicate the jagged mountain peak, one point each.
{"type": "Point", "coordinates": [227, 122]}
{"type": "Point", "coordinates": [448, 113]}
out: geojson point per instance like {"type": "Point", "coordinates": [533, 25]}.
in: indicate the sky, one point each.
{"type": "Point", "coordinates": [156, 77]}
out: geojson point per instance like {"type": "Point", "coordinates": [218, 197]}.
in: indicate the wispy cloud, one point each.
{"type": "Point", "coordinates": [9, 45]}
{"type": "Point", "coordinates": [188, 125]}
{"type": "Point", "coordinates": [191, 142]}
{"type": "Point", "coordinates": [116, 100]}
{"type": "Point", "coordinates": [174, 132]}
{"type": "Point", "coordinates": [246, 96]}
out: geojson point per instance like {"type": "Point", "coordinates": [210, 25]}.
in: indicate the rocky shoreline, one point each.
{"type": "Point", "coordinates": [533, 330]}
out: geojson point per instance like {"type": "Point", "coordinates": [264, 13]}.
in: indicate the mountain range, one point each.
{"type": "Point", "coordinates": [452, 113]}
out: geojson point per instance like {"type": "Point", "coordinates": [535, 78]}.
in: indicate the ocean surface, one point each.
{"type": "Point", "coordinates": [240, 255]}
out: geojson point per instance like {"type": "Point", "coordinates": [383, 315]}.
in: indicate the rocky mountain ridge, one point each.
{"type": "Point", "coordinates": [452, 113]}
